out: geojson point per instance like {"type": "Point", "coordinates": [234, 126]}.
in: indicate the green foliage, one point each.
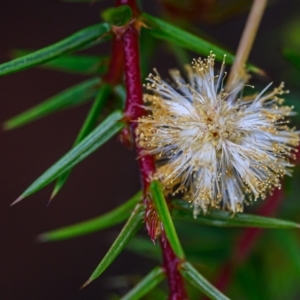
{"type": "Point", "coordinates": [164, 214]}
{"type": "Point", "coordinates": [118, 16]}
{"type": "Point", "coordinates": [114, 217]}
{"type": "Point", "coordinates": [129, 230]}
{"type": "Point", "coordinates": [75, 95]}
{"type": "Point", "coordinates": [289, 243]}
{"type": "Point", "coordinates": [144, 247]}
{"type": "Point", "coordinates": [73, 64]}
{"type": "Point", "coordinates": [102, 133]}
{"type": "Point", "coordinates": [87, 127]}
{"type": "Point", "coordinates": [77, 41]}
{"type": "Point", "coordinates": [293, 56]}
{"type": "Point", "coordinates": [149, 282]}
{"type": "Point", "coordinates": [227, 219]}
{"type": "Point", "coordinates": [194, 277]}
{"type": "Point", "coordinates": [168, 32]}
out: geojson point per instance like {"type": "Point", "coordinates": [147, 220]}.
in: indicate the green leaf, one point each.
{"type": "Point", "coordinates": [182, 38]}
{"type": "Point", "coordinates": [117, 16]}
{"type": "Point", "coordinates": [226, 219]}
{"type": "Point", "coordinates": [181, 55]}
{"type": "Point", "coordinates": [164, 214]}
{"type": "Point", "coordinates": [88, 125]}
{"type": "Point", "coordinates": [168, 32]}
{"type": "Point", "coordinates": [72, 43]}
{"type": "Point", "coordinates": [195, 278]}
{"type": "Point", "coordinates": [102, 133]}
{"type": "Point", "coordinates": [289, 242]}
{"type": "Point", "coordinates": [149, 282]}
{"type": "Point", "coordinates": [292, 99]}
{"type": "Point", "coordinates": [144, 246]}
{"type": "Point", "coordinates": [109, 219]}
{"type": "Point", "coordinates": [72, 96]}
{"type": "Point", "coordinates": [148, 44]}
{"type": "Point", "coordinates": [80, 64]}
{"type": "Point", "coordinates": [292, 56]}
{"type": "Point", "coordinates": [120, 94]}
{"type": "Point", "coordinates": [128, 231]}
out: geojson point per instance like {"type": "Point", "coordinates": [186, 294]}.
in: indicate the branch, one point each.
{"type": "Point", "coordinates": [133, 111]}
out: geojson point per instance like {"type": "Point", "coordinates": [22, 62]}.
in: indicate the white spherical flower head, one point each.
{"type": "Point", "coordinates": [219, 150]}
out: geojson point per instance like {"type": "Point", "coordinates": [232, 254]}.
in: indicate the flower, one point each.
{"type": "Point", "coordinates": [220, 150]}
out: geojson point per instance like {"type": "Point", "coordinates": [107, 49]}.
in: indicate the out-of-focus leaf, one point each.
{"type": "Point", "coordinates": [72, 96]}
{"type": "Point", "coordinates": [88, 125]}
{"type": "Point", "coordinates": [222, 218]}
{"type": "Point", "coordinates": [149, 282]}
{"type": "Point", "coordinates": [102, 133]}
{"type": "Point", "coordinates": [164, 214]}
{"type": "Point", "coordinates": [80, 64]}
{"type": "Point", "coordinates": [148, 44]}
{"type": "Point", "coordinates": [120, 93]}
{"type": "Point", "coordinates": [128, 231]}
{"type": "Point", "coordinates": [117, 16]}
{"type": "Point", "coordinates": [180, 54]}
{"type": "Point", "coordinates": [206, 252]}
{"type": "Point", "coordinates": [273, 261]}
{"type": "Point", "coordinates": [292, 56]}
{"type": "Point", "coordinates": [292, 99]}
{"type": "Point", "coordinates": [212, 240]}
{"type": "Point", "coordinates": [168, 32]}
{"type": "Point", "coordinates": [245, 277]}
{"type": "Point", "coordinates": [70, 44]}
{"type": "Point", "coordinates": [144, 247]}
{"type": "Point", "coordinates": [289, 242]}
{"type": "Point", "coordinates": [109, 219]}
{"type": "Point", "coordinates": [195, 278]}
{"type": "Point", "coordinates": [157, 293]}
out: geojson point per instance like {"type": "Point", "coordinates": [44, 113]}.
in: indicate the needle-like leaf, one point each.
{"type": "Point", "coordinates": [195, 278]}
{"type": "Point", "coordinates": [72, 96]}
{"type": "Point", "coordinates": [164, 214]}
{"type": "Point", "coordinates": [70, 44]}
{"type": "Point", "coordinates": [149, 282]}
{"type": "Point", "coordinates": [109, 219]}
{"type": "Point", "coordinates": [87, 127]}
{"type": "Point", "coordinates": [129, 230]}
{"type": "Point", "coordinates": [102, 133]}
{"type": "Point", "coordinates": [226, 219]}
{"type": "Point", "coordinates": [80, 64]}
{"type": "Point", "coordinates": [168, 32]}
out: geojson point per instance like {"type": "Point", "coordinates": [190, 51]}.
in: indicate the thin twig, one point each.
{"type": "Point", "coordinates": [246, 43]}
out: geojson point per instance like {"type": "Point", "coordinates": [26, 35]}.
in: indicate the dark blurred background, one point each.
{"type": "Point", "coordinates": [30, 270]}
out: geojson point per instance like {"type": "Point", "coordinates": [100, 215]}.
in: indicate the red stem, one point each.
{"type": "Point", "coordinates": [171, 265]}
{"type": "Point", "coordinates": [134, 98]}
{"type": "Point", "coordinates": [115, 67]}
{"type": "Point", "coordinates": [134, 102]}
{"type": "Point", "coordinates": [133, 111]}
